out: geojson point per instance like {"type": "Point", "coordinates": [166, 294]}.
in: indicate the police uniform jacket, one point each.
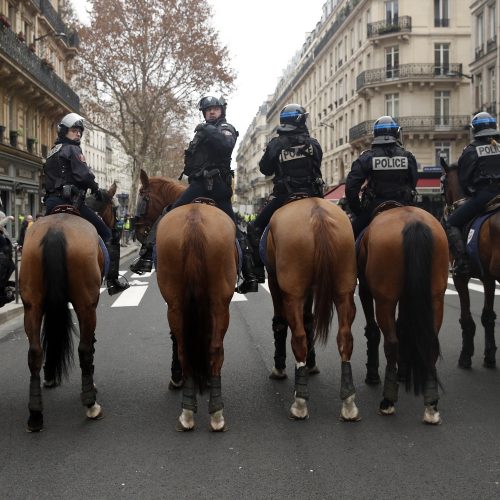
{"type": "Point", "coordinates": [294, 158]}
{"type": "Point", "coordinates": [66, 165]}
{"type": "Point", "coordinates": [479, 166]}
{"type": "Point", "coordinates": [210, 149]}
{"type": "Point", "coordinates": [391, 172]}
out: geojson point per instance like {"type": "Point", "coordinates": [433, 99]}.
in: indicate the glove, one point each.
{"type": "Point", "coordinates": [200, 127]}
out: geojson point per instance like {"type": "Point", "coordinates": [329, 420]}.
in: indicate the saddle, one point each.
{"type": "Point", "coordinates": [384, 206]}
{"type": "Point", "coordinates": [66, 209]}
{"type": "Point", "coordinates": [296, 196]}
{"type": "Point", "coordinates": [205, 201]}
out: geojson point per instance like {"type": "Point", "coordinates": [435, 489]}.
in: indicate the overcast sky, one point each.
{"type": "Point", "coordinates": [262, 36]}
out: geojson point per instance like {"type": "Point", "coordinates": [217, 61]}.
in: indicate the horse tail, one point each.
{"type": "Point", "coordinates": [197, 321]}
{"type": "Point", "coordinates": [323, 273]}
{"type": "Point", "coordinates": [57, 328]}
{"type": "Point", "coordinates": [418, 340]}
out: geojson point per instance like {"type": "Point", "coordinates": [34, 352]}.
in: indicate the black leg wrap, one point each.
{"type": "Point", "coordinates": [215, 402]}
{"type": "Point", "coordinates": [189, 395]}
{"type": "Point", "coordinates": [88, 394]}
{"type": "Point", "coordinates": [346, 384]}
{"type": "Point", "coordinates": [468, 332]}
{"type": "Point", "coordinates": [488, 318]}
{"type": "Point", "coordinates": [390, 391]}
{"type": "Point", "coordinates": [431, 395]}
{"type": "Point", "coordinates": [301, 377]}
{"type": "Point", "coordinates": [35, 403]}
{"type": "Point", "coordinates": [175, 368]}
{"type": "Point", "coordinates": [372, 334]}
{"type": "Point", "coordinates": [280, 328]}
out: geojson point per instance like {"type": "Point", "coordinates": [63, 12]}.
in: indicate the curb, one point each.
{"type": "Point", "coordinates": [13, 310]}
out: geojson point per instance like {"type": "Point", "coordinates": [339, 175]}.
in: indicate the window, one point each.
{"type": "Point", "coordinates": [478, 91]}
{"type": "Point", "coordinates": [492, 16]}
{"type": "Point", "coordinates": [392, 62]}
{"type": "Point", "coordinates": [441, 58]}
{"type": "Point", "coordinates": [442, 107]}
{"type": "Point", "coordinates": [441, 14]}
{"type": "Point", "coordinates": [442, 150]}
{"type": "Point", "coordinates": [479, 32]}
{"type": "Point", "coordinates": [392, 105]}
{"type": "Point", "coordinates": [493, 87]}
{"type": "Point", "coordinates": [391, 11]}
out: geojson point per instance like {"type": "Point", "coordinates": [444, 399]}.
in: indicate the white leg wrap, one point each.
{"type": "Point", "coordinates": [349, 411]}
{"type": "Point", "coordinates": [186, 420]}
{"type": "Point", "coordinates": [217, 421]}
{"type": "Point", "coordinates": [431, 416]}
{"type": "Point", "coordinates": [94, 412]}
{"type": "Point", "coordinates": [298, 409]}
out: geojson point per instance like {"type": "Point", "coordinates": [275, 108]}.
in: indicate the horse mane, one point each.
{"type": "Point", "coordinates": [167, 189]}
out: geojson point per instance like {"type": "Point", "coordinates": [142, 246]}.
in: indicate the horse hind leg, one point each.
{"type": "Point", "coordinates": [311, 350]}
{"type": "Point", "coordinates": [175, 368]}
{"type": "Point", "coordinates": [189, 406]}
{"type": "Point", "coordinates": [431, 398]}
{"type": "Point", "coordinates": [488, 318]}
{"type": "Point", "coordinates": [280, 329]}
{"type": "Point", "coordinates": [468, 332]}
{"type": "Point", "coordinates": [215, 405]}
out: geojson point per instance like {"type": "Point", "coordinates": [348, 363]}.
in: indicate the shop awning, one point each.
{"type": "Point", "coordinates": [335, 193]}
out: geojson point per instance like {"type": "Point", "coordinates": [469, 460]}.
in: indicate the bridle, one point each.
{"type": "Point", "coordinates": [141, 211]}
{"type": "Point", "coordinates": [451, 206]}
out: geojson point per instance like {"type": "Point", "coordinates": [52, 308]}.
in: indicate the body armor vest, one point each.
{"type": "Point", "coordinates": [56, 170]}
{"type": "Point", "coordinates": [487, 164]}
{"type": "Point", "coordinates": [390, 173]}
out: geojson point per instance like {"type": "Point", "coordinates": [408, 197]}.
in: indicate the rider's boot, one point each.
{"type": "Point", "coordinates": [112, 282]}
{"type": "Point", "coordinates": [462, 266]}
{"type": "Point", "coordinates": [249, 280]}
{"type": "Point", "coordinates": [254, 235]}
{"type": "Point", "coordinates": [144, 264]}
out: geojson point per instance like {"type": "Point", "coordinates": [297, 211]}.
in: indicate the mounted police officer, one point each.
{"type": "Point", "coordinates": [294, 158]}
{"type": "Point", "coordinates": [479, 177]}
{"type": "Point", "coordinates": [390, 172]}
{"type": "Point", "coordinates": [207, 164]}
{"type": "Point", "coordinates": [7, 267]}
{"type": "Point", "coordinates": [67, 178]}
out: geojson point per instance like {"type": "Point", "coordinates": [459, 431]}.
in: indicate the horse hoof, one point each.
{"type": "Point", "coordinates": [185, 422]}
{"type": "Point", "coordinates": [94, 412]}
{"type": "Point", "coordinates": [174, 386]}
{"type": "Point", "coordinates": [386, 408]}
{"type": "Point", "coordinates": [217, 423]}
{"type": "Point", "coordinates": [298, 410]}
{"type": "Point", "coordinates": [349, 411]}
{"type": "Point", "coordinates": [465, 361]}
{"type": "Point", "coordinates": [372, 379]}
{"type": "Point", "coordinates": [431, 415]}
{"type": "Point", "coordinates": [278, 374]}
{"type": "Point", "coordinates": [35, 422]}
{"type": "Point", "coordinates": [314, 370]}
{"type": "Point", "coordinates": [489, 363]}
{"type": "Point", "coordinates": [49, 384]}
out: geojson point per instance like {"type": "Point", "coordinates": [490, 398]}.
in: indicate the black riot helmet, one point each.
{"type": "Point", "coordinates": [292, 117]}
{"type": "Point", "coordinates": [385, 131]}
{"type": "Point", "coordinates": [209, 101]}
{"type": "Point", "coordinates": [484, 125]}
{"type": "Point", "coordinates": [73, 120]}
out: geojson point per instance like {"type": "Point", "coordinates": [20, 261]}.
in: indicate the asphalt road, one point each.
{"type": "Point", "coordinates": [135, 452]}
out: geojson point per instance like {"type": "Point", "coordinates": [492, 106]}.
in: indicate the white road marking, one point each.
{"type": "Point", "coordinates": [476, 288]}
{"type": "Point", "coordinates": [239, 297]}
{"type": "Point", "coordinates": [131, 297]}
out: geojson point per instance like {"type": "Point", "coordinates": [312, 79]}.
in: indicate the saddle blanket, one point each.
{"type": "Point", "coordinates": [472, 241]}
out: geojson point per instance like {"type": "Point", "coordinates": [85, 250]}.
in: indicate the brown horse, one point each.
{"type": "Point", "coordinates": [403, 263]}
{"type": "Point", "coordinates": [311, 260]}
{"type": "Point", "coordinates": [489, 253]}
{"type": "Point", "coordinates": [62, 263]}
{"type": "Point", "coordinates": [196, 272]}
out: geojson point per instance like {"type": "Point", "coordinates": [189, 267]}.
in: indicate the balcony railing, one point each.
{"type": "Point", "coordinates": [22, 56]}
{"type": "Point", "coordinates": [491, 44]}
{"type": "Point", "coordinates": [445, 123]}
{"type": "Point", "coordinates": [57, 23]}
{"type": "Point", "coordinates": [479, 52]}
{"type": "Point", "coordinates": [397, 25]}
{"type": "Point", "coordinates": [413, 71]}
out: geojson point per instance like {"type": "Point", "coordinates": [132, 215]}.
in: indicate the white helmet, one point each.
{"type": "Point", "coordinates": [69, 121]}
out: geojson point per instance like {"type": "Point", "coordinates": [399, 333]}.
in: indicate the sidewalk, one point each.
{"type": "Point", "coordinates": [13, 310]}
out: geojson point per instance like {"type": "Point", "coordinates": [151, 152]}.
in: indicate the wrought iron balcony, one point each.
{"type": "Point", "coordinates": [445, 123]}
{"type": "Point", "coordinates": [415, 71]}
{"type": "Point", "coordinates": [22, 56]}
{"type": "Point", "coordinates": [57, 23]}
{"type": "Point", "coordinates": [397, 25]}
{"type": "Point", "coordinates": [491, 44]}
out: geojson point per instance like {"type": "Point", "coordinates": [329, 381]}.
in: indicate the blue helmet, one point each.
{"type": "Point", "coordinates": [385, 131]}
{"type": "Point", "coordinates": [292, 116]}
{"type": "Point", "coordinates": [484, 125]}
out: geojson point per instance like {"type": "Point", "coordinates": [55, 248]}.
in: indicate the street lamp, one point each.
{"type": "Point", "coordinates": [60, 35]}
{"type": "Point", "coordinates": [459, 73]}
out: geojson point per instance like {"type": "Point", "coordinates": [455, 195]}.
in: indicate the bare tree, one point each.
{"type": "Point", "coordinates": [141, 66]}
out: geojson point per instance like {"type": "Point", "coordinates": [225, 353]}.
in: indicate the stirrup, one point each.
{"type": "Point", "coordinates": [115, 286]}
{"type": "Point", "coordinates": [248, 286]}
{"type": "Point", "coordinates": [141, 266]}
